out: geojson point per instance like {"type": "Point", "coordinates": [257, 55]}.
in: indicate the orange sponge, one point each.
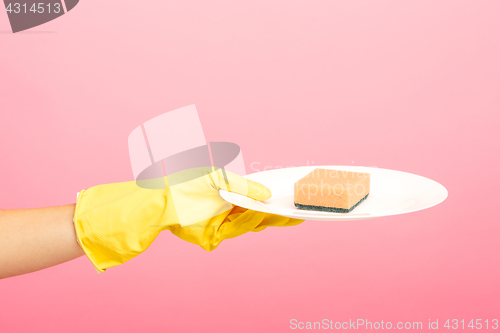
{"type": "Point", "coordinates": [331, 190]}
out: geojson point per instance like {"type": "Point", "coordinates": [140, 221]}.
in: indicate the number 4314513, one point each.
{"type": "Point", "coordinates": [36, 8]}
{"type": "Point", "coordinates": [477, 324]}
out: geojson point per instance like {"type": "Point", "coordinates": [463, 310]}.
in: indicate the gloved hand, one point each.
{"type": "Point", "coordinates": [116, 222]}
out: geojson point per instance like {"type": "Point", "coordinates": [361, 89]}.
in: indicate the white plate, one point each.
{"type": "Point", "coordinates": [391, 193]}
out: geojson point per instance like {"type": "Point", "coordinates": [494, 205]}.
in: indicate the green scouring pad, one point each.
{"type": "Point", "coordinates": [330, 209]}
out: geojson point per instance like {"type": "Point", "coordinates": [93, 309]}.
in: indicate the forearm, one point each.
{"type": "Point", "coordinates": [34, 239]}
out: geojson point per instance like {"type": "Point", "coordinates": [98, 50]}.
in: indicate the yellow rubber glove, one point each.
{"type": "Point", "coordinates": [116, 222]}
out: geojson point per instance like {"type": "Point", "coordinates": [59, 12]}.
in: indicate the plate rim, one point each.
{"type": "Point", "coordinates": [344, 217]}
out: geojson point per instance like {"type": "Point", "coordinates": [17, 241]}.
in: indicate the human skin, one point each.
{"type": "Point", "coordinates": [34, 239]}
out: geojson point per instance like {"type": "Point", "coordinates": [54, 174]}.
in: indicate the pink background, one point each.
{"type": "Point", "coordinates": [405, 85]}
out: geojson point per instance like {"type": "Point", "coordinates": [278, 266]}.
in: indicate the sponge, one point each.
{"type": "Point", "coordinates": [331, 190]}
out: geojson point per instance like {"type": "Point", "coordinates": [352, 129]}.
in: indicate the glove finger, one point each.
{"type": "Point", "coordinates": [293, 222]}
{"type": "Point", "coordinates": [245, 222]}
{"type": "Point", "coordinates": [273, 220]}
{"type": "Point", "coordinates": [235, 183]}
